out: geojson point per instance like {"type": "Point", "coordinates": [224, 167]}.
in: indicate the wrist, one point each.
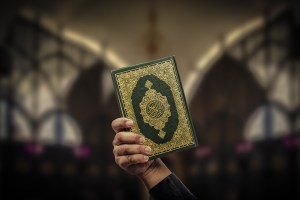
{"type": "Point", "coordinates": [156, 172]}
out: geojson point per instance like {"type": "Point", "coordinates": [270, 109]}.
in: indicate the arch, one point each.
{"type": "Point", "coordinates": [228, 94]}
{"type": "Point", "coordinates": [229, 41]}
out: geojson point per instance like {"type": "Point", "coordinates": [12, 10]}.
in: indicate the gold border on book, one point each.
{"type": "Point", "coordinates": [164, 70]}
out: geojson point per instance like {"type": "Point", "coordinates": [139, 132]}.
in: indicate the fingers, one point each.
{"type": "Point", "coordinates": [125, 149]}
{"type": "Point", "coordinates": [128, 138]}
{"type": "Point", "coordinates": [129, 150]}
{"type": "Point", "coordinates": [120, 124]}
{"type": "Point", "coordinates": [128, 160]}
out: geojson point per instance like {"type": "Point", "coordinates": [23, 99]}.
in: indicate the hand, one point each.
{"type": "Point", "coordinates": [129, 150]}
{"type": "Point", "coordinates": [132, 155]}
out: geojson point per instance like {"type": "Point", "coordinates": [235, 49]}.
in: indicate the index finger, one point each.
{"type": "Point", "coordinates": [120, 124]}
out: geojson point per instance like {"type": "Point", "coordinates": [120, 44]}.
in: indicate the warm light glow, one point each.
{"type": "Point", "coordinates": [112, 58]}
{"type": "Point", "coordinates": [208, 57]}
{"type": "Point", "coordinates": [240, 32]}
{"type": "Point", "coordinates": [91, 44]}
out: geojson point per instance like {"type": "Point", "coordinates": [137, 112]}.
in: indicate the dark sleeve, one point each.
{"type": "Point", "coordinates": [171, 188]}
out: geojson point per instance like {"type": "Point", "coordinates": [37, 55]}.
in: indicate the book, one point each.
{"type": "Point", "coordinates": [151, 94]}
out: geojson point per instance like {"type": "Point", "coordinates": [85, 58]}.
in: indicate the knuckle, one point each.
{"type": "Point", "coordinates": [137, 138]}
{"type": "Point", "coordinates": [118, 137]}
{"type": "Point", "coordinates": [115, 150]}
{"type": "Point", "coordinates": [117, 159]}
{"type": "Point", "coordinates": [123, 164]}
{"type": "Point", "coordinates": [120, 150]}
{"type": "Point", "coordinates": [141, 149]}
{"type": "Point", "coordinates": [135, 159]}
{"type": "Point", "coordinates": [141, 159]}
{"type": "Point", "coordinates": [126, 149]}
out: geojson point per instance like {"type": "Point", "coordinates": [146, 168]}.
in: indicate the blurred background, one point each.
{"type": "Point", "coordinates": [239, 63]}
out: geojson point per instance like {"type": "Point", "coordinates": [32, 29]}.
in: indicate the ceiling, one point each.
{"type": "Point", "coordinates": [185, 29]}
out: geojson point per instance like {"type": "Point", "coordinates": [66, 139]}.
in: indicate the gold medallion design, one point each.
{"type": "Point", "coordinates": [155, 109]}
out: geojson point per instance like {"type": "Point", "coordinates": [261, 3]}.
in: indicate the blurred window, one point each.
{"type": "Point", "coordinates": [46, 62]}
{"type": "Point", "coordinates": [267, 122]}
{"type": "Point", "coordinates": [59, 129]}
{"type": "Point", "coordinates": [22, 128]}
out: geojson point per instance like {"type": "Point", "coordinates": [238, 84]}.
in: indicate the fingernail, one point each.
{"type": "Point", "coordinates": [129, 123]}
{"type": "Point", "coordinates": [147, 150]}
{"type": "Point", "coordinates": [146, 158]}
{"type": "Point", "coordinates": [142, 140]}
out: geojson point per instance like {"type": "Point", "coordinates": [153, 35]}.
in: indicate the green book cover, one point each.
{"type": "Point", "coordinates": [151, 95]}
